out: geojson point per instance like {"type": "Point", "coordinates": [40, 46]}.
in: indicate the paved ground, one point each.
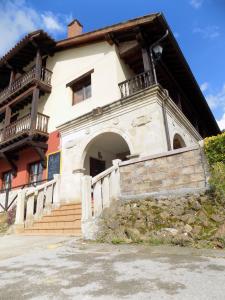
{"type": "Point", "coordinates": [64, 268]}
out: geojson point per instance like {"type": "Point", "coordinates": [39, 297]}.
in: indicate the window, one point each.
{"type": "Point", "coordinates": [7, 180]}
{"type": "Point", "coordinates": [81, 88]}
{"type": "Point", "coordinates": [35, 173]}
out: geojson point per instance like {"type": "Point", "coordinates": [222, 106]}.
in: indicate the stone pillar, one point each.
{"type": "Point", "coordinates": [115, 181]}
{"type": "Point", "coordinates": [86, 198]}
{"type": "Point", "coordinates": [70, 186]}
{"type": "Point", "coordinates": [56, 194]}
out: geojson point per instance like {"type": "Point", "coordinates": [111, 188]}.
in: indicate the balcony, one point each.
{"type": "Point", "coordinates": [29, 78]}
{"type": "Point", "coordinates": [135, 84]}
{"type": "Point", "coordinates": [22, 128]}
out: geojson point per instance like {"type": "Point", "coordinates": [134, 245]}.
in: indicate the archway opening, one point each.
{"type": "Point", "coordinates": [178, 142]}
{"type": "Point", "coordinates": [102, 150]}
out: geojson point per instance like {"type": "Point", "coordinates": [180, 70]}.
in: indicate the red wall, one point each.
{"type": "Point", "coordinates": [26, 157]}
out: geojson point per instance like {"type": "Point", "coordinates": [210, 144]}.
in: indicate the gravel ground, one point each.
{"type": "Point", "coordinates": [66, 268]}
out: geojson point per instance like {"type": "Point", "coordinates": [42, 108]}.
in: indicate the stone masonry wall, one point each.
{"type": "Point", "coordinates": [178, 170]}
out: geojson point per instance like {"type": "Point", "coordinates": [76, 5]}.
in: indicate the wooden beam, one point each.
{"type": "Point", "coordinates": [109, 37]}
{"type": "Point", "coordinates": [41, 145]}
{"type": "Point", "coordinates": [41, 153]}
{"type": "Point", "coordinates": [15, 145]}
{"type": "Point", "coordinates": [8, 113]}
{"type": "Point", "coordinates": [127, 48]}
{"type": "Point", "coordinates": [10, 162]}
{"type": "Point", "coordinates": [34, 108]}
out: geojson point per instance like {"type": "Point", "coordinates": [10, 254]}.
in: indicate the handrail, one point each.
{"type": "Point", "coordinates": [136, 84]}
{"type": "Point", "coordinates": [103, 174]}
{"type": "Point", "coordinates": [45, 77]}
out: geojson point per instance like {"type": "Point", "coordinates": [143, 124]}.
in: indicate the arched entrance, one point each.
{"type": "Point", "coordinates": [178, 142]}
{"type": "Point", "coordinates": [102, 150]}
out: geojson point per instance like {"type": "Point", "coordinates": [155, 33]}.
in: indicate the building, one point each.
{"type": "Point", "coordinates": [75, 105]}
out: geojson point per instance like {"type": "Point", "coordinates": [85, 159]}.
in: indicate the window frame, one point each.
{"type": "Point", "coordinates": [4, 181]}
{"type": "Point", "coordinates": [34, 183]}
{"type": "Point", "coordinates": [81, 84]}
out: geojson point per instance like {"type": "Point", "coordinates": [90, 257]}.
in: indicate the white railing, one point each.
{"type": "Point", "coordinates": [98, 192]}
{"type": "Point", "coordinates": [33, 203]}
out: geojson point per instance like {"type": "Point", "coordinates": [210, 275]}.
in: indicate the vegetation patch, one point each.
{"type": "Point", "coordinates": [215, 152]}
{"type": "Point", "coordinates": [7, 219]}
{"type": "Point", "coordinates": [192, 220]}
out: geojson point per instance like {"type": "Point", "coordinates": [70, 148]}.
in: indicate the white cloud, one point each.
{"type": "Point", "coordinates": [221, 122]}
{"type": "Point", "coordinates": [51, 22]}
{"type": "Point", "coordinates": [196, 3]}
{"type": "Point", "coordinates": [217, 100]}
{"type": "Point", "coordinates": [204, 86]}
{"type": "Point", "coordinates": [209, 32]}
{"type": "Point", "coordinates": [17, 18]}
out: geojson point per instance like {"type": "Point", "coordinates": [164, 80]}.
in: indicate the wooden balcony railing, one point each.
{"type": "Point", "coordinates": [135, 84]}
{"type": "Point", "coordinates": [44, 76]}
{"type": "Point", "coordinates": [23, 125]}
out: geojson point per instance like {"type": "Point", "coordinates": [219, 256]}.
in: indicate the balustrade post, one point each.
{"type": "Point", "coordinates": [40, 203]}
{"type": "Point", "coordinates": [105, 192]}
{"type": "Point", "coordinates": [20, 205]}
{"type": "Point", "coordinates": [86, 198]}
{"type": "Point", "coordinates": [97, 193]}
{"type": "Point", "coordinates": [30, 206]}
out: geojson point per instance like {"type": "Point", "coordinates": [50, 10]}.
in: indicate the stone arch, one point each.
{"type": "Point", "coordinates": [178, 142]}
{"type": "Point", "coordinates": [111, 140]}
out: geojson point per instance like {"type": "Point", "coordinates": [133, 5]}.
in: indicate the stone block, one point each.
{"type": "Point", "coordinates": [187, 170]}
{"type": "Point", "coordinates": [197, 177]}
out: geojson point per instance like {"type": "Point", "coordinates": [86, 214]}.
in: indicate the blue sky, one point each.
{"type": "Point", "coordinates": [197, 24]}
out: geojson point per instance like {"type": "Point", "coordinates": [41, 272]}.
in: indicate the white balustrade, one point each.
{"type": "Point", "coordinates": [33, 202]}
{"type": "Point", "coordinates": [98, 192]}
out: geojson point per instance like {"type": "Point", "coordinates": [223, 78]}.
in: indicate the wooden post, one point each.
{"type": "Point", "coordinates": [147, 63]}
{"type": "Point", "coordinates": [38, 65]}
{"type": "Point", "coordinates": [8, 113]}
{"type": "Point", "coordinates": [12, 78]}
{"type": "Point", "coordinates": [34, 108]}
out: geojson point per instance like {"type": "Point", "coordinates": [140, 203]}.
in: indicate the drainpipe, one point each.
{"type": "Point", "coordinates": [165, 120]}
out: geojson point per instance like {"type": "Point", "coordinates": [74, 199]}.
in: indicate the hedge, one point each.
{"type": "Point", "coordinates": [215, 149]}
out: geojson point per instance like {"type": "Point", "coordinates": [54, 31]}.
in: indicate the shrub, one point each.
{"type": "Point", "coordinates": [11, 215]}
{"type": "Point", "coordinates": [217, 180]}
{"type": "Point", "coordinates": [215, 149]}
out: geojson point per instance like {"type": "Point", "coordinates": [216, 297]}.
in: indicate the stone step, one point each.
{"type": "Point", "coordinates": [65, 220]}
{"type": "Point", "coordinates": [63, 212]}
{"type": "Point", "coordinates": [56, 231]}
{"type": "Point", "coordinates": [70, 206]}
{"type": "Point", "coordinates": [61, 218]}
{"type": "Point", "coordinates": [59, 224]}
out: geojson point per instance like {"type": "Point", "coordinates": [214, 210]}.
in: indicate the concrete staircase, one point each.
{"type": "Point", "coordinates": [65, 220]}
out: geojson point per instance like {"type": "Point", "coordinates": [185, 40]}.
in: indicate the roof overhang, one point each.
{"type": "Point", "coordinates": [24, 52]}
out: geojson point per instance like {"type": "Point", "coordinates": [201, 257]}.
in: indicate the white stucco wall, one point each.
{"type": "Point", "coordinates": [139, 122]}
{"type": "Point", "coordinates": [70, 64]}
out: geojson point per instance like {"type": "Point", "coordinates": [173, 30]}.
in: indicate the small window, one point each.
{"type": "Point", "coordinates": [35, 173]}
{"type": "Point", "coordinates": [7, 180]}
{"type": "Point", "coordinates": [81, 88]}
